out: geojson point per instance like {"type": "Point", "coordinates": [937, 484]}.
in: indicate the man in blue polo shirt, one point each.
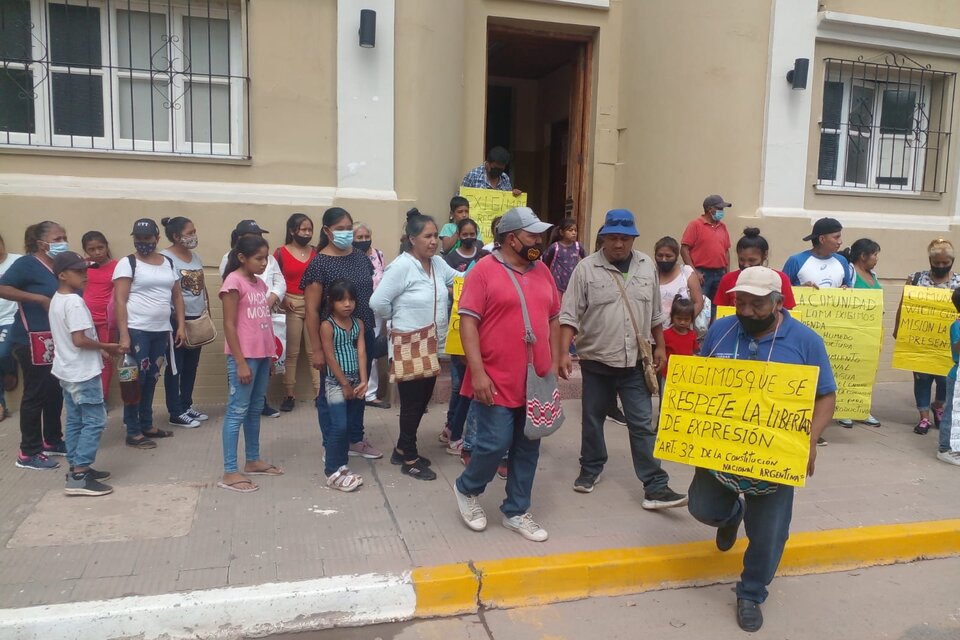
{"type": "Point", "coordinates": [761, 330]}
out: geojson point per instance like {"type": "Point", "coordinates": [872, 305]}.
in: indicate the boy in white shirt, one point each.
{"type": "Point", "coordinates": [77, 364]}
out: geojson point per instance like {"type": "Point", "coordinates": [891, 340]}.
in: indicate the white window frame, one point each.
{"type": "Point", "coordinates": [44, 136]}
{"type": "Point", "coordinates": [914, 161]}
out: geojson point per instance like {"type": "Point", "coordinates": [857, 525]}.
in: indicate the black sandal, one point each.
{"type": "Point", "coordinates": [159, 433]}
{"type": "Point", "coordinates": [141, 443]}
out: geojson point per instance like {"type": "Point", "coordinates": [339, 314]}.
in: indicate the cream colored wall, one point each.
{"type": "Point", "coordinates": [430, 99]}
{"type": "Point", "coordinates": [943, 13]}
{"type": "Point", "coordinates": [942, 205]}
{"type": "Point", "coordinates": [293, 122]}
{"type": "Point", "coordinates": [691, 113]}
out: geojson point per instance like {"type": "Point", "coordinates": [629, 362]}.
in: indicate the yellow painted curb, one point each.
{"type": "Point", "coordinates": [445, 590]}
{"type": "Point", "coordinates": [518, 582]}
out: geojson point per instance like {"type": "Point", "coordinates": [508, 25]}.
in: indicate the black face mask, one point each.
{"type": "Point", "coordinates": [530, 252]}
{"type": "Point", "coordinates": [302, 240]}
{"type": "Point", "coordinates": [666, 266]}
{"type": "Point", "coordinates": [756, 326]}
{"type": "Point", "coordinates": [941, 272]}
{"type": "Point", "coordinates": [468, 243]}
{"type": "Point", "coordinates": [362, 245]}
{"type": "Point", "coordinates": [495, 172]}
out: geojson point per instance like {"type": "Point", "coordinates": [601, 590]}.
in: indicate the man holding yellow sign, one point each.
{"type": "Point", "coordinates": [752, 435]}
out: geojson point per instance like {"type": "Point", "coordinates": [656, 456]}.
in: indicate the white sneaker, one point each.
{"type": "Point", "coordinates": [470, 510]}
{"type": "Point", "coordinates": [527, 527]}
{"type": "Point", "coordinates": [950, 457]}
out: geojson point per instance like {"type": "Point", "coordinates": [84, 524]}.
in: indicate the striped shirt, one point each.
{"type": "Point", "coordinates": [345, 347]}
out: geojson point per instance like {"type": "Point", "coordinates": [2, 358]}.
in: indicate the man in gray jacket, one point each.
{"type": "Point", "coordinates": [607, 332]}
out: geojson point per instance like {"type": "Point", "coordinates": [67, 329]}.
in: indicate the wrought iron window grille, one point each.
{"type": "Point", "coordinates": [885, 125]}
{"type": "Point", "coordinates": [142, 76]}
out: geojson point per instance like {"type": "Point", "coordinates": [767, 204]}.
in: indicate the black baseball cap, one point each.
{"type": "Point", "coordinates": [249, 226]}
{"type": "Point", "coordinates": [145, 227]}
{"type": "Point", "coordinates": [824, 226]}
{"type": "Point", "coordinates": [68, 261]}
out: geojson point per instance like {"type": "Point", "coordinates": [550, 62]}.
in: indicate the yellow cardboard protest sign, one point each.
{"type": "Point", "coordinates": [454, 344]}
{"type": "Point", "coordinates": [723, 311]}
{"type": "Point", "coordinates": [850, 321]}
{"type": "Point", "coordinates": [923, 336]}
{"type": "Point", "coordinates": [745, 417]}
{"type": "Point", "coordinates": [487, 204]}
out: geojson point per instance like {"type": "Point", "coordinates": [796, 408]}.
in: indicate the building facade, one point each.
{"type": "Point", "coordinates": [220, 110]}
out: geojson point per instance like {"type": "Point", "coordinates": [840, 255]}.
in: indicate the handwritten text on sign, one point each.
{"type": "Point", "coordinates": [487, 204]}
{"type": "Point", "coordinates": [850, 321]}
{"type": "Point", "coordinates": [923, 337]}
{"type": "Point", "coordinates": [454, 344]}
{"type": "Point", "coordinates": [745, 417]}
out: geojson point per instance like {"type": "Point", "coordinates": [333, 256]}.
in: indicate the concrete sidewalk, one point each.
{"type": "Point", "coordinates": [168, 528]}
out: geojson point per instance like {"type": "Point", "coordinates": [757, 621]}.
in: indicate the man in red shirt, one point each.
{"type": "Point", "coordinates": [493, 334]}
{"type": "Point", "coordinates": [705, 245]}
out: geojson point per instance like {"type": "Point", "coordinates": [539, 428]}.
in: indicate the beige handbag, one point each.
{"type": "Point", "coordinates": [200, 331]}
{"type": "Point", "coordinates": [650, 376]}
{"type": "Point", "coordinates": [415, 352]}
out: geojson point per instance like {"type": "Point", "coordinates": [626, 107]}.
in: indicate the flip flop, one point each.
{"type": "Point", "coordinates": [269, 471]}
{"type": "Point", "coordinates": [232, 486]}
{"type": "Point", "coordinates": [159, 433]}
{"type": "Point", "coordinates": [142, 443]}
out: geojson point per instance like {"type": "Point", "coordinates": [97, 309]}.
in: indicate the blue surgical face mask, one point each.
{"type": "Point", "coordinates": [343, 239]}
{"type": "Point", "coordinates": [718, 215]}
{"type": "Point", "coordinates": [56, 248]}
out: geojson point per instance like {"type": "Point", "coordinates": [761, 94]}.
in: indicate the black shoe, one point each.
{"type": "Point", "coordinates": [585, 482]}
{"type": "Point", "coordinates": [269, 412]}
{"type": "Point", "coordinates": [96, 475]}
{"type": "Point", "coordinates": [749, 616]}
{"type": "Point", "coordinates": [727, 536]}
{"type": "Point", "coordinates": [418, 470]}
{"type": "Point", "coordinates": [288, 404]}
{"type": "Point", "coordinates": [397, 458]}
{"type": "Point", "coordinates": [82, 484]}
{"type": "Point", "coordinates": [665, 498]}
{"type": "Point", "coordinates": [617, 416]}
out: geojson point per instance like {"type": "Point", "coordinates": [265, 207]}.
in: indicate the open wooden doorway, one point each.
{"type": "Point", "coordinates": [539, 104]}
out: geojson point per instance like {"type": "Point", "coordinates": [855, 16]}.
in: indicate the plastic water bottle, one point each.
{"type": "Point", "coordinates": [129, 375]}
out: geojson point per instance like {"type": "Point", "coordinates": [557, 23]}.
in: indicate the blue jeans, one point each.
{"type": "Point", "coordinates": [244, 404]}
{"type": "Point", "coordinates": [711, 281]}
{"type": "Point", "coordinates": [470, 426]}
{"type": "Point", "coordinates": [921, 389]}
{"type": "Point", "coordinates": [458, 367]}
{"type": "Point", "coordinates": [7, 363]}
{"type": "Point", "coordinates": [947, 422]}
{"type": "Point", "coordinates": [323, 414]}
{"type": "Point", "coordinates": [86, 418]}
{"type": "Point", "coordinates": [342, 415]}
{"type": "Point", "coordinates": [766, 522]}
{"type": "Point", "coordinates": [599, 394]}
{"type": "Point", "coordinates": [499, 430]}
{"type": "Point", "coordinates": [149, 348]}
{"type": "Point", "coordinates": [178, 388]}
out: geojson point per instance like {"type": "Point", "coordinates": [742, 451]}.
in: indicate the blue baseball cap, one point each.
{"type": "Point", "coordinates": [619, 221]}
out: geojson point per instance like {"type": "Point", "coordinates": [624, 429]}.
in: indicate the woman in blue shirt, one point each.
{"type": "Point", "coordinates": [30, 283]}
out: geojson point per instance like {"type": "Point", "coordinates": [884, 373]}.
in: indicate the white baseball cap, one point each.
{"type": "Point", "coordinates": [759, 281]}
